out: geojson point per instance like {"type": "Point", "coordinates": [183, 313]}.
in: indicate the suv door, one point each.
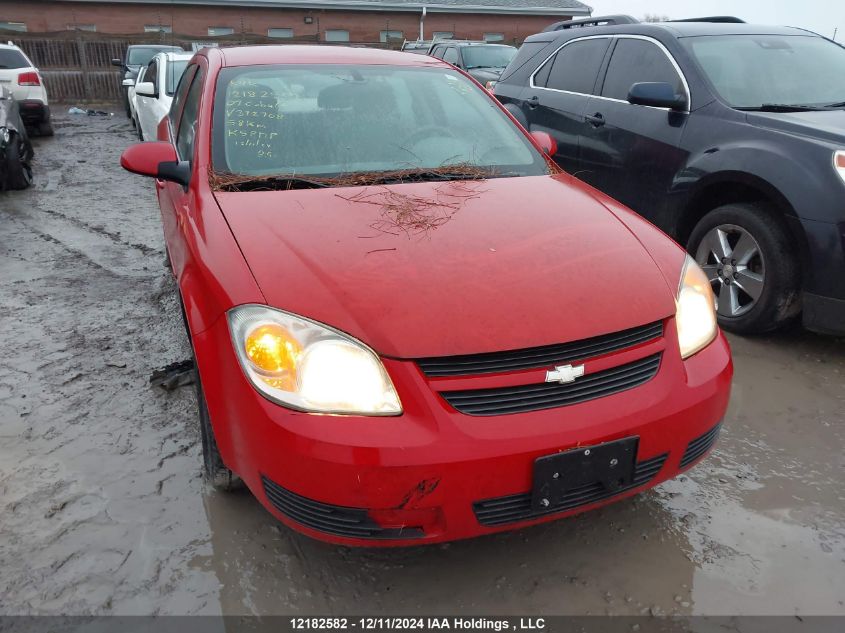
{"type": "Point", "coordinates": [631, 152]}
{"type": "Point", "coordinates": [558, 92]}
{"type": "Point", "coordinates": [144, 106]}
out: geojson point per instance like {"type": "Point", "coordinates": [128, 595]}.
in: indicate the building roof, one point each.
{"type": "Point", "coordinates": [524, 7]}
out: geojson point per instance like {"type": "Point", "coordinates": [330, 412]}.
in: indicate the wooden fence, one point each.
{"type": "Point", "coordinates": [76, 66]}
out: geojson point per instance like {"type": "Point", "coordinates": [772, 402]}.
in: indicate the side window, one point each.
{"type": "Point", "coordinates": [576, 66]}
{"type": "Point", "coordinates": [634, 61]}
{"type": "Point", "coordinates": [188, 122]}
{"type": "Point", "coordinates": [181, 91]}
{"type": "Point", "coordinates": [438, 52]}
{"type": "Point", "coordinates": [152, 75]}
{"type": "Point", "coordinates": [451, 55]}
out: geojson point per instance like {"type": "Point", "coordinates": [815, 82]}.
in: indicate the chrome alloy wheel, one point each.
{"type": "Point", "coordinates": [733, 262]}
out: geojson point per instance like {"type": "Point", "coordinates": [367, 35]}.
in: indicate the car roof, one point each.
{"type": "Point", "coordinates": [160, 47]}
{"type": "Point", "coordinates": [676, 29]}
{"type": "Point", "coordinates": [297, 54]}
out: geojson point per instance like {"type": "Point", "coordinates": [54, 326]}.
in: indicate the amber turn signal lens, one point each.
{"type": "Point", "coordinates": [274, 352]}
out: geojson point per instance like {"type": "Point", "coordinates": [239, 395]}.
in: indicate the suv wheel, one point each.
{"type": "Point", "coordinates": [45, 128]}
{"type": "Point", "coordinates": [746, 253]}
{"type": "Point", "coordinates": [18, 171]}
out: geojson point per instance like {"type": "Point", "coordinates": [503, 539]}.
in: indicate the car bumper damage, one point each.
{"type": "Point", "coordinates": [435, 474]}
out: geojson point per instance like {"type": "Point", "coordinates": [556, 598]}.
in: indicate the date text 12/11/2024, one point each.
{"type": "Point", "coordinates": [417, 624]}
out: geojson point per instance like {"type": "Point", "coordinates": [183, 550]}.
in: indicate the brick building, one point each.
{"type": "Point", "coordinates": [330, 20]}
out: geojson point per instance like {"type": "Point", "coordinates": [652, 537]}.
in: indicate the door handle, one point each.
{"type": "Point", "coordinates": [596, 120]}
{"type": "Point", "coordinates": [533, 102]}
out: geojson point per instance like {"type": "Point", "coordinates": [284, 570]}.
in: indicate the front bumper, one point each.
{"type": "Point", "coordinates": [433, 474]}
{"type": "Point", "coordinates": [824, 295]}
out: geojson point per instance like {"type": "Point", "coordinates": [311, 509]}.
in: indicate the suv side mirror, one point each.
{"type": "Point", "coordinates": [157, 160]}
{"type": "Point", "coordinates": [146, 89]}
{"type": "Point", "coordinates": [117, 62]}
{"type": "Point", "coordinates": [128, 83]}
{"type": "Point", "coordinates": [657, 94]}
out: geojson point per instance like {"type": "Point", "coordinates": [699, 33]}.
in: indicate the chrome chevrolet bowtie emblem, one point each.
{"type": "Point", "coordinates": [565, 373]}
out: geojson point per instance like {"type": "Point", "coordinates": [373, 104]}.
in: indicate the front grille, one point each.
{"type": "Point", "coordinates": [700, 445]}
{"type": "Point", "coordinates": [546, 356]}
{"type": "Point", "coordinates": [336, 520]}
{"type": "Point", "coordinates": [519, 399]}
{"type": "Point", "coordinates": [514, 508]}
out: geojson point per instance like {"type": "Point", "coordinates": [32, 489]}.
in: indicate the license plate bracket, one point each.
{"type": "Point", "coordinates": [610, 465]}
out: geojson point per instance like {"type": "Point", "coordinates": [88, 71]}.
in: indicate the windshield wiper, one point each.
{"type": "Point", "coordinates": [841, 104]}
{"type": "Point", "coordinates": [781, 107]}
{"type": "Point", "coordinates": [265, 183]}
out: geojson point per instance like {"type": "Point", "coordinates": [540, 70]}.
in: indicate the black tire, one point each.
{"type": "Point", "coordinates": [18, 171]}
{"type": "Point", "coordinates": [772, 275]}
{"type": "Point", "coordinates": [45, 128]}
{"type": "Point", "coordinates": [214, 470]}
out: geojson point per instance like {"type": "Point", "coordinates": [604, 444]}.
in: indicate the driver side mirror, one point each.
{"type": "Point", "coordinates": [117, 62]}
{"type": "Point", "coordinates": [657, 94]}
{"type": "Point", "coordinates": [128, 83]}
{"type": "Point", "coordinates": [546, 142]}
{"type": "Point", "coordinates": [156, 160]}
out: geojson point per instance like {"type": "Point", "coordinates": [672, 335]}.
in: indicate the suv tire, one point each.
{"type": "Point", "coordinates": [746, 252]}
{"type": "Point", "coordinates": [18, 171]}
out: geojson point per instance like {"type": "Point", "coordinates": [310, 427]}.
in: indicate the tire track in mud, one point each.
{"type": "Point", "coordinates": [100, 500]}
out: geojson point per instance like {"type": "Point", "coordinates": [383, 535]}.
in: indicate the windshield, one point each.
{"type": "Point", "coordinates": [141, 56]}
{"type": "Point", "coordinates": [10, 58]}
{"type": "Point", "coordinates": [750, 71]}
{"type": "Point", "coordinates": [174, 73]}
{"type": "Point", "coordinates": [488, 56]}
{"type": "Point", "coordinates": [341, 120]}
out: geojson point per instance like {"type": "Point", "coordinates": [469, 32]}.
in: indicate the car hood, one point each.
{"type": "Point", "coordinates": [828, 125]}
{"type": "Point", "coordinates": [483, 75]}
{"type": "Point", "coordinates": [501, 264]}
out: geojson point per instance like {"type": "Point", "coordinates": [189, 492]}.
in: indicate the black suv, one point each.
{"type": "Point", "coordinates": [482, 61]}
{"type": "Point", "coordinates": [728, 136]}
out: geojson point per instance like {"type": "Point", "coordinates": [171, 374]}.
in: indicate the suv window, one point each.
{"type": "Point", "coordinates": [10, 58]}
{"type": "Point", "coordinates": [634, 61]}
{"type": "Point", "coordinates": [576, 66]}
{"type": "Point", "coordinates": [152, 75]}
{"type": "Point", "coordinates": [188, 123]}
{"type": "Point", "coordinates": [438, 52]}
{"type": "Point", "coordinates": [451, 55]}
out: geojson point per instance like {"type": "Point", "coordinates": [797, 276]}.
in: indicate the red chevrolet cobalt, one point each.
{"type": "Point", "coordinates": [408, 326]}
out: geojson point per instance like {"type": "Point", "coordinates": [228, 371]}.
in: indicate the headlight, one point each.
{"type": "Point", "coordinates": [303, 365]}
{"type": "Point", "coordinates": [695, 316]}
{"type": "Point", "coordinates": [4, 136]}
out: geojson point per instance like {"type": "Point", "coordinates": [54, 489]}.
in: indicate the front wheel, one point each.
{"type": "Point", "coordinates": [747, 255]}
{"type": "Point", "coordinates": [214, 470]}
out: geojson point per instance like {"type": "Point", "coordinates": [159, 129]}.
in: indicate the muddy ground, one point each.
{"type": "Point", "coordinates": [102, 508]}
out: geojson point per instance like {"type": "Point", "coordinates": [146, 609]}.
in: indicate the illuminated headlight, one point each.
{"type": "Point", "coordinates": [839, 163]}
{"type": "Point", "coordinates": [303, 365]}
{"type": "Point", "coordinates": [4, 136]}
{"type": "Point", "coordinates": [695, 316]}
